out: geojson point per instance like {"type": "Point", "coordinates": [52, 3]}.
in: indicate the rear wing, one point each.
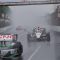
{"type": "Point", "coordinates": [8, 37]}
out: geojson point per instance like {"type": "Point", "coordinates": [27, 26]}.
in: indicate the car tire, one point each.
{"type": "Point", "coordinates": [48, 36]}
{"type": "Point", "coordinates": [20, 51]}
{"type": "Point", "coordinates": [19, 47]}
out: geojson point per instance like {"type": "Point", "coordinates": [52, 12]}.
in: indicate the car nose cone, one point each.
{"type": "Point", "coordinates": [38, 35]}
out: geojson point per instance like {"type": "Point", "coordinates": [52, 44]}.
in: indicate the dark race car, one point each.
{"type": "Point", "coordinates": [39, 34]}
{"type": "Point", "coordinates": [9, 47]}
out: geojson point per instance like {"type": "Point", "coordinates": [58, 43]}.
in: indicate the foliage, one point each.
{"type": "Point", "coordinates": [5, 10]}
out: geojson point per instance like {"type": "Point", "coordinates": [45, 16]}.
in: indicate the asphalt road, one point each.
{"type": "Point", "coordinates": [36, 50]}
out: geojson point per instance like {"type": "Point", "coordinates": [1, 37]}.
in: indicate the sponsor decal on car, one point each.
{"type": "Point", "coordinates": [7, 37]}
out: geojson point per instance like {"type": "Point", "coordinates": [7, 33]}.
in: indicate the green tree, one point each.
{"type": "Point", "coordinates": [4, 11]}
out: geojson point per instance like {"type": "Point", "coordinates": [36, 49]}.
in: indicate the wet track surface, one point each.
{"type": "Point", "coordinates": [40, 50]}
{"type": "Point", "coordinates": [36, 50]}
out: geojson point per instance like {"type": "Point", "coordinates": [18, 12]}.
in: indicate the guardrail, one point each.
{"type": "Point", "coordinates": [29, 3]}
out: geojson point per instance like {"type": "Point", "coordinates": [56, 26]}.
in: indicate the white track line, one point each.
{"type": "Point", "coordinates": [34, 53]}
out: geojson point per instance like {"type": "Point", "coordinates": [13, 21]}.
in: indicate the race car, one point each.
{"type": "Point", "coordinates": [9, 47]}
{"type": "Point", "coordinates": [39, 34]}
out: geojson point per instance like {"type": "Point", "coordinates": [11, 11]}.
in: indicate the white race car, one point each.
{"type": "Point", "coordinates": [38, 34]}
